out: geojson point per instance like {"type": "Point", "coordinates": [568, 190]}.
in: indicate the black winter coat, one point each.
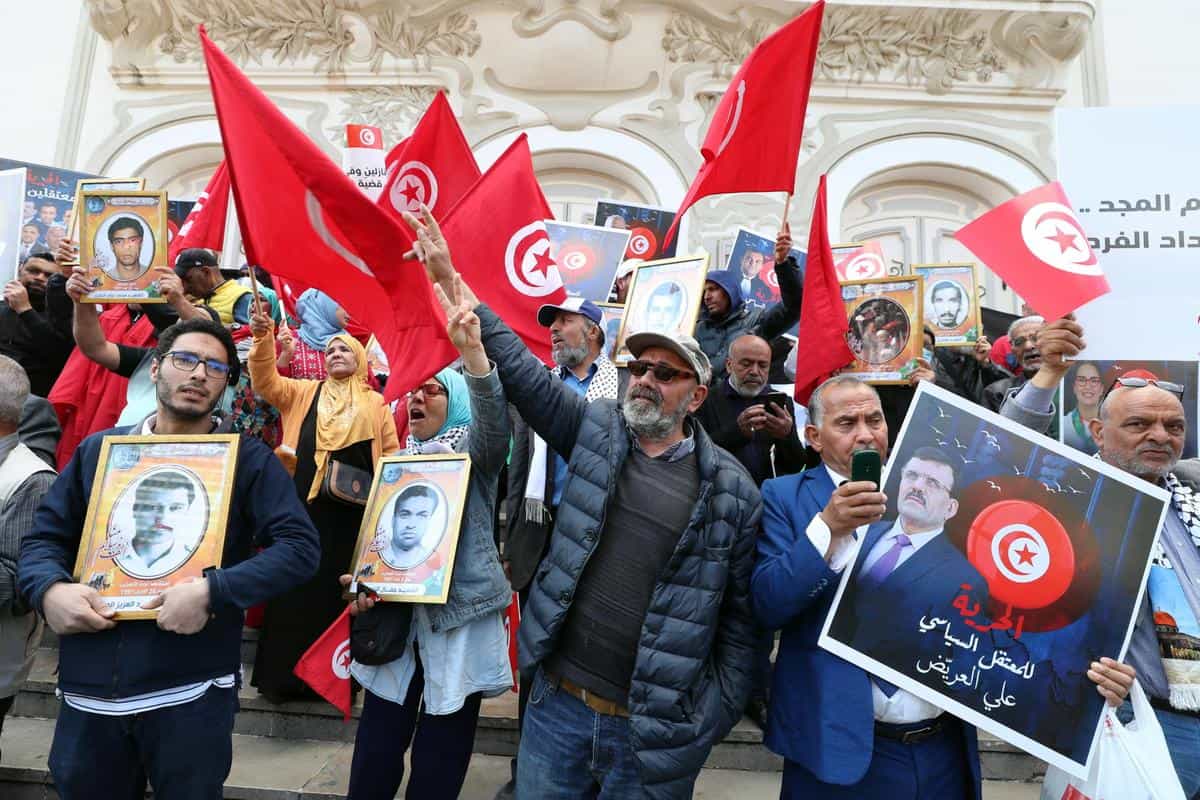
{"type": "Point", "coordinates": [692, 674]}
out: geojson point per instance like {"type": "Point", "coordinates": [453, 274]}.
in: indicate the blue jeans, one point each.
{"type": "Point", "coordinates": [185, 751]}
{"type": "Point", "coordinates": [1182, 733]}
{"type": "Point", "coordinates": [570, 752]}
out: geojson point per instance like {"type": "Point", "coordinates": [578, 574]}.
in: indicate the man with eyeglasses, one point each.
{"type": "Point", "coordinates": [844, 734]}
{"type": "Point", "coordinates": [637, 629]}
{"type": "Point", "coordinates": [1140, 427]}
{"type": "Point", "coordinates": [155, 700]}
{"type": "Point", "coordinates": [1024, 335]}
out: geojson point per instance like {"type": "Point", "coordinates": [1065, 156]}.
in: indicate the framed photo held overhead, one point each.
{"type": "Point", "coordinates": [156, 516]}
{"type": "Point", "coordinates": [753, 257]}
{"type": "Point", "coordinates": [587, 257]}
{"type": "Point", "coordinates": [664, 296]}
{"type": "Point", "coordinates": [405, 549]}
{"type": "Point", "coordinates": [610, 323]}
{"type": "Point", "coordinates": [647, 225]}
{"type": "Point", "coordinates": [951, 303]}
{"type": "Point", "coordinates": [98, 185]}
{"type": "Point", "coordinates": [885, 328]}
{"type": "Point", "coordinates": [1015, 563]}
{"type": "Point", "coordinates": [123, 239]}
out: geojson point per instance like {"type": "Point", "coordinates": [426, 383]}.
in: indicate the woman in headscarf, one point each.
{"type": "Point", "coordinates": [321, 318]}
{"type": "Point", "coordinates": [334, 431]}
{"type": "Point", "coordinates": [457, 653]}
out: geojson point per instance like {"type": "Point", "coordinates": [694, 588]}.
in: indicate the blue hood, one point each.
{"type": "Point", "coordinates": [730, 281]}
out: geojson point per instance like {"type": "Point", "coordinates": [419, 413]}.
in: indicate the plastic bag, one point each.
{"type": "Point", "coordinates": [1131, 761]}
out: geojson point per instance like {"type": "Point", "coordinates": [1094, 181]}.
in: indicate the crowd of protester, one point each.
{"type": "Point", "coordinates": [662, 525]}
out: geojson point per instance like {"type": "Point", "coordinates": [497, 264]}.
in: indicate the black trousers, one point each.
{"type": "Point", "coordinates": [441, 747]}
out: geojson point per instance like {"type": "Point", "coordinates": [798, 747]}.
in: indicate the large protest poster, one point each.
{"type": "Point", "coordinates": [1142, 218]}
{"type": "Point", "coordinates": [49, 198]}
{"type": "Point", "coordinates": [1028, 561]}
{"type": "Point", "coordinates": [587, 257]}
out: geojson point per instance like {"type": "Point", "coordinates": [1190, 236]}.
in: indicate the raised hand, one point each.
{"type": "Point", "coordinates": [431, 248]}
{"type": "Point", "coordinates": [462, 324]}
{"type": "Point", "coordinates": [783, 243]}
{"type": "Point", "coordinates": [78, 285]}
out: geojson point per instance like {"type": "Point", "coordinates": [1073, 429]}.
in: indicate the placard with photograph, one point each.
{"type": "Point", "coordinates": [49, 199]}
{"type": "Point", "coordinates": [587, 257]}
{"type": "Point", "coordinates": [885, 328]}
{"type": "Point", "coordinates": [123, 238]}
{"type": "Point", "coordinates": [647, 226]}
{"type": "Point", "coordinates": [610, 323]}
{"type": "Point", "coordinates": [17, 238]}
{"type": "Point", "coordinates": [753, 257]}
{"type": "Point", "coordinates": [98, 185]}
{"type": "Point", "coordinates": [405, 550]}
{"type": "Point", "coordinates": [156, 516]}
{"type": "Point", "coordinates": [1028, 561]}
{"type": "Point", "coordinates": [860, 261]}
{"type": "Point", "coordinates": [664, 296]}
{"type": "Point", "coordinates": [951, 303]}
{"type": "Point", "coordinates": [1086, 381]}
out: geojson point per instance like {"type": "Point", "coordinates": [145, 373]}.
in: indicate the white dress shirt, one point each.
{"type": "Point", "coordinates": [902, 707]}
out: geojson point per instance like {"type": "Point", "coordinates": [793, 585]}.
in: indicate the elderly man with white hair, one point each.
{"type": "Point", "coordinates": [1023, 335]}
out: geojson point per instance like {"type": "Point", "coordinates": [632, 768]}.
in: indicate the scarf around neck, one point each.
{"type": "Point", "coordinates": [458, 417]}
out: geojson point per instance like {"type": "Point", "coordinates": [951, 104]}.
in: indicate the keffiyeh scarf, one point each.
{"type": "Point", "coordinates": [604, 386]}
{"type": "Point", "coordinates": [1174, 619]}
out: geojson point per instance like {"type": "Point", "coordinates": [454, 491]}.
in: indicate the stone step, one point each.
{"type": "Point", "coordinates": [496, 734]}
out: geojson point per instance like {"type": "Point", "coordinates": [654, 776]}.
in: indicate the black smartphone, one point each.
{"type": "Point", "coordinates": [782, 401]}
{"type": "Point", "coordinates": [865, 465]}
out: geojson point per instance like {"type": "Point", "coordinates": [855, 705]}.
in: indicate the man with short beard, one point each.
{"type": "Point", "coordinates": [154, 700]}
{"type": "Point", "coordinates": [1023, 335]}
{"type": "Point", "coordinates": [637, 631]}
{"type": "Point", "coordinates": [36, 337]}
{"type": "Point", "coordinates": [1140, 428]}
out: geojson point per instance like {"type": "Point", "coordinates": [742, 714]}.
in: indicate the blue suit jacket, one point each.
{"type": "Point", "coordinates": [821, 713]}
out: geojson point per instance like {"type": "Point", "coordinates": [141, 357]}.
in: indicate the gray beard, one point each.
{"type": "Point", "coordinates": [1134, 466]}
{"type": "Point", "coordinates": [570, 357]}
{"type": "Point", "coordinates": [646, 419]}
{"type": "Point", "coordinates": [742, 389]}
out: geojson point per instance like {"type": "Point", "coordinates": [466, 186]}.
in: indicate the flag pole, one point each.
{"type": "Point", "coordinates": [787, 207]}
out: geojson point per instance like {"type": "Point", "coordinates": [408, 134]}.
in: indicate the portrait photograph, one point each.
{"type": "Point", "coordinates": [405, 550]}
{"type": "Point", "coordinates": [587, 256]}
{"type": "Point", "coordinates": [664, 296]}
{"type": "Point", "coordinates": [647, 226]}
{"type": "Point", "coordinates": [885, 328]}
{"type": "Point", "coordinates": [1086, 381]}
{"type": "Point", "coordinates": [157, 516]}
{"type": "Point", "coordinates": [123, 237]}
{"type": "Point", "coordinates": [752, 257]}
{"type": "Point", "coordinates": [860, 261]}
{"type": "Point", "coordinates": [951, 303]}
{"type": "Point", "coordinates": [1004, 565]}
{"type": "Point", "coordinates": [610, 323]}
{"type": "Point", "coordinates": [98, 185]}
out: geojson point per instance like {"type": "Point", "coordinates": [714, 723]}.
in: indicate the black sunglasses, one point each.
{"type": "Point", "coordinates": [1137, 383]}
{"type": "Point", "coordinates": [663, 373]}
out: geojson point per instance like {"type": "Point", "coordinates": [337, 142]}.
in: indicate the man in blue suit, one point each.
{"type": "Point", "coordinates": [842, 733]}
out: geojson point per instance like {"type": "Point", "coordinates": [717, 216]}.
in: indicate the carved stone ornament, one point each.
{"type": "Point", "coordinates": [332, 32]}
{"type": "Point", "coordinates": [393, 109]}
{"type": "Point", "coordinates": [601, 17]}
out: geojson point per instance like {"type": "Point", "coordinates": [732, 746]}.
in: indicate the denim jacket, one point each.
{"type": "Point", "coordinates": [478, 585]}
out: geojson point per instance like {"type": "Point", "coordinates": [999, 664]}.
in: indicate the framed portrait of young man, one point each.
{"type": "Point", "coordinates": [409, 535]}
{"type": "Point", "coordinates": [156, 516]}
{"type": "Point", "coordinates": [885, 328]}
{"type": "Point", "coordinates": [97, 185]}
{"type": "Point", "coordinates": [123, 239]}
{"type": "Point", "coordinates": [664, 297]}
{"type": "Point", "coordinates": [951, 303]}
{"type": "Point", "coordinates": [610, 323]}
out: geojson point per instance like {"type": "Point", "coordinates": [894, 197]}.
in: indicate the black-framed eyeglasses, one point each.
{"type": "Point", "coordinates": [663, 373]}
{"type": "Point", "coordinates": [1137, 383]}
{"type": "Point", "coordinates": [185, 361]}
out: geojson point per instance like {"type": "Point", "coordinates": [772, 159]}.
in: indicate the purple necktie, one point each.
{"type": "Point", "coordinates": [884, 566]}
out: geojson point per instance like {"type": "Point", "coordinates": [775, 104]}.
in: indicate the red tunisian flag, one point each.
{"type": "Point", "coordinates": [435, 167]}
{"type": "Point", "coordinates": [325, 665]}
{"type": "Point", "coordinates": [754, 138]}
{"type": "Point", "coordinates": [304, 220]}
{"type": "Point", "coordinates": [821, 348]}
{"type": "Point", "coordinates": [1036, 244]}
{"type": "Point", "coordinates": [497, 235]}
{"type": "Point", "coordinates": [205, 223]}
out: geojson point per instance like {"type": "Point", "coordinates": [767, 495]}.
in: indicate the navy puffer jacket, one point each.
{"type": "Point", "coordinates": [691, 677]}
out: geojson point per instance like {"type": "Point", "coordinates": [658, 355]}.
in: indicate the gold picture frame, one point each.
{"type": "Point", "coordinates": [106, 213]}
{"type": "Point", "coordinates": [98, 185]}
{"type": "Point", "coordinates": [428, 494]}
{"type": "Point", "coordinates": [885, 320]}
{"type": "Point", "coordinates": [678, 284]}
{"type": "Point", "coordinates": [967, 324]}
{"type": "Point", "coordinates": [163, 489]}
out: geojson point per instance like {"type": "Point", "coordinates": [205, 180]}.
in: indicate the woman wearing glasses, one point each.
{"type": "Point", "coordinates": [452, 655]}
{"type": "Point", "coordinates": [1087, 386]}
{"type": "Point", "coordinates": [334, 431]}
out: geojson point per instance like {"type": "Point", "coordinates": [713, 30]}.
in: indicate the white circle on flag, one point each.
{"type": "Point", "coordinates": [639, 245]}
{"type": "Point", "coordinates": [865, 266]}
{"type": "Point", "coordinates": [527, 262]}
{"type": "Point", "coordinates": [1054, 236]}
{"type": "Point", "coordinates": [1020, 553]}
{"type": "Point", "coordinates": [340, 663]}
{"type": "Point", "coordinates": [415, 184]}
{"type": "Point", "coordinates": [366, 136]}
